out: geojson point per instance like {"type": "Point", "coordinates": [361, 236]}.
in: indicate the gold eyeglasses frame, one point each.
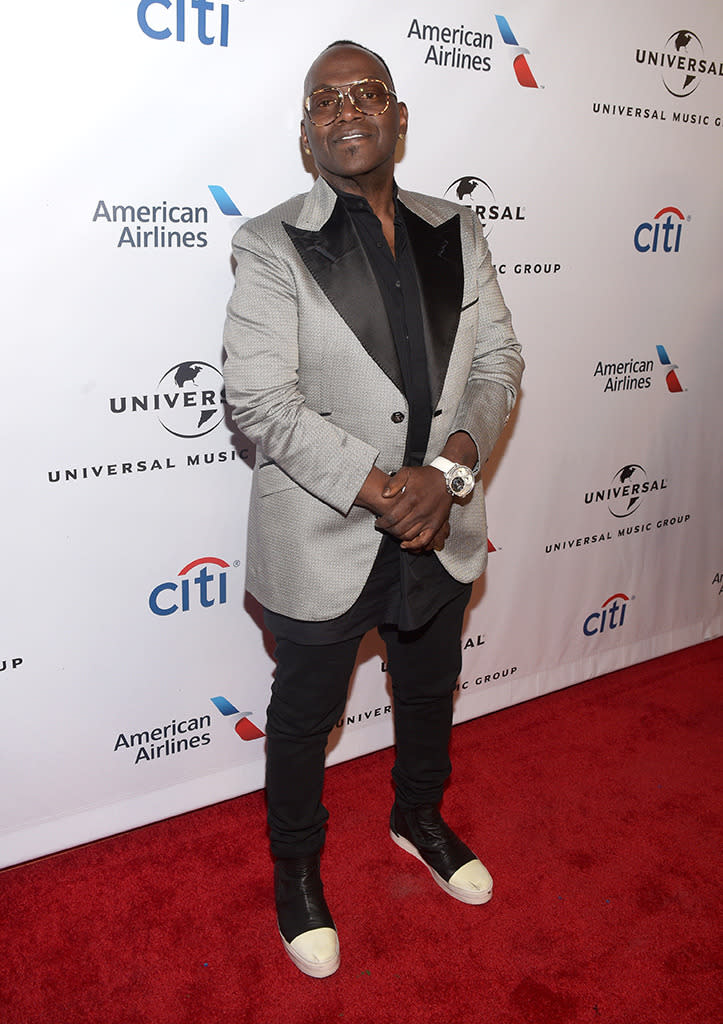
{"type": "Point", "coordinates": [342, 93]}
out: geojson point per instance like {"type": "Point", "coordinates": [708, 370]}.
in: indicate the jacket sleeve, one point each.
{"type": "Point", "coordinates": [497, 364]}
{"type": "Point", "coordinates": [261, 338]}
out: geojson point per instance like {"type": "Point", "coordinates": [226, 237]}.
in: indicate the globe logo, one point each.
{"type": "Point", "coordinates": [472, 191]}
{"type": "Point", "coordinates": [686, 45]}
{"type": "Point", "coordinates": [626, 490]}
{"type": "Point", "coordinates": [192, 399]}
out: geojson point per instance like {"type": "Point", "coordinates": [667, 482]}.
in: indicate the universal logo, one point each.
{"type": "Point", "coordinates": [482, 200]}
{"type": "Point", "coordinates": [188, 400]}
{"type": "Point", "coordinates": [623, 497]}
{"type": "Point", "coordinates": [682, 66]}
{"type": "Point", "coordinates": [489, 212]}
{"type": "Point", "coordinates": [626, 491]}
{"type": "Point", "coordinates": [681, 63]}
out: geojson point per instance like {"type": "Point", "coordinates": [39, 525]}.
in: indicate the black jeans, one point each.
{"type": "Point", "coordinates": [308, 696]}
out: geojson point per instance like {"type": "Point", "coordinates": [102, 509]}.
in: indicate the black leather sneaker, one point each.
{"type": "Point", "coordinates": [423, 832]}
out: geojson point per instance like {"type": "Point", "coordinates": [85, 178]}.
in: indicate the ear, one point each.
{"type": "Point", "coordinates": [403, 119]}
{"type": "Point", "coordinates": [305, 139]}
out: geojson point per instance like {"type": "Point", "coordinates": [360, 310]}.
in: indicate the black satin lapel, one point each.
{"type": "Point", "coordinates": [438, 257]}
{"type": "Point", "coordinates": [336, 260]}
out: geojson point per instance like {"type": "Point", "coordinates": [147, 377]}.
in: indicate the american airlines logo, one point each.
{"type": "Point", "coordinates": [522, 69]}
{"type": "Point", "coordinates": [243, 727]}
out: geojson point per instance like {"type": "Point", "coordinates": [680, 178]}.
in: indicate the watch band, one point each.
{"type": "Point", "coordinates": [443, 464]}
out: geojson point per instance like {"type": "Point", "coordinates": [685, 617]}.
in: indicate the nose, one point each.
{"type": "Point", "coordinates": [348, 108]}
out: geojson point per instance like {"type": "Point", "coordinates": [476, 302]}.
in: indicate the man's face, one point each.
{"type": "Point", "coordinates": [354, 144]}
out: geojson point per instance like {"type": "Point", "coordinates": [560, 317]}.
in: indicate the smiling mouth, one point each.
{"type": "Point", "coordinates": [352, 136]}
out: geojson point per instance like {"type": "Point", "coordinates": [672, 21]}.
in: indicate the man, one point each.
{"type": "Point", "coordinates": [371, 359]}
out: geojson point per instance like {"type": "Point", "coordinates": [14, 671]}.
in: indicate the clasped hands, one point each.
{"type": "Point", "coordinates": [413, 506]}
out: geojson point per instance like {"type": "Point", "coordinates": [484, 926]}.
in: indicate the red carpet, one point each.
{"type": "Point", "coordinates": [597, 810]}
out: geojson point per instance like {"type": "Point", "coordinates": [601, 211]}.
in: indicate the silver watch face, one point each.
{"type": "Point", "coordinates": [460, 481]}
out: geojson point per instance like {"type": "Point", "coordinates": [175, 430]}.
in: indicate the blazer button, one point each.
{"type": "Point", "coordinates": [397, 417]}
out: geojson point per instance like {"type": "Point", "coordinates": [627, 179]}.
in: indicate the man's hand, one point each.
{"type": "Point", "coordinates": [437, 542]}
{"type": "Point", "coordinates": [419, 511]}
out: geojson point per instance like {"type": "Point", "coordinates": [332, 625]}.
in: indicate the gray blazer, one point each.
{"type": "Point", "coordinates": [313, 380]}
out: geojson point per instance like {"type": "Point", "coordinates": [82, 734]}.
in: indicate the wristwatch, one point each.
{"type": "Point", "coordinates": [459, 479]}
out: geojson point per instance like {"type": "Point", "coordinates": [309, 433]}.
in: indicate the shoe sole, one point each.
{"type": "Point", "coordinates": [475, 897]}
{"type": "Point", "coordinates": [313, 968]}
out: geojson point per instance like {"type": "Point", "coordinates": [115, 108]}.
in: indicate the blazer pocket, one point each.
{"type": "Point", "coordinates": [270, 479]}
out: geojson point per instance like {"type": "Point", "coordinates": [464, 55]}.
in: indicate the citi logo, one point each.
{"type": "Point", "coordinates": [671, 377]}
{"type": "Point", "coordinates": [155, 24]}
{"type": "Point", "coordinates": [519, 61]}
{"type": "Point", "coordinates": [244, 727]}
{"type": "Point", "coordinates": [610, 616]}
{"type": "Point", "coordinates": [661, 235]}
{"type": "Point", "coordinates": [202, 591]}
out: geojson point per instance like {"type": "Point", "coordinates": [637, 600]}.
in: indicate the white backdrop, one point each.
{"type": "Point", "coordinates": [597, 162]}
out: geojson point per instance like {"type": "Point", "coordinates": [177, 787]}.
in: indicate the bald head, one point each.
{"type": "Point", "coordinates": [314, 76]}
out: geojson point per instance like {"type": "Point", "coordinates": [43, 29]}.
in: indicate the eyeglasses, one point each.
{"type": "Point", "coordinates": [369, 96]}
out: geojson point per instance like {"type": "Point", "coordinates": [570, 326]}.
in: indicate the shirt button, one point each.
{"type": "Point", "coordinates": [397, 284]}
{"type": "Point", "coordinates": [397, 417]}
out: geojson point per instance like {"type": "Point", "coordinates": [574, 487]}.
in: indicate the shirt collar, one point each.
{"type": "Point", "coordinates": [355, 203]}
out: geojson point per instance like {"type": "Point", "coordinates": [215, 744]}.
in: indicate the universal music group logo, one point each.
{"type": "Point", "coordinates": [682, 66]}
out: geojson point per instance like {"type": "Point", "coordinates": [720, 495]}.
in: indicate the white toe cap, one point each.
{"type": "Point", "coordinates": [315, 952]}
{"type": "Point", "coordinates": [472, 878]}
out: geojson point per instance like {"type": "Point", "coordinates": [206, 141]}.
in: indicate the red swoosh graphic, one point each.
{"type": "Point", "coordinates": [200, 561]}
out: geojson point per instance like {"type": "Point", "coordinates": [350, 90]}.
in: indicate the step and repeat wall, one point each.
{"type": "Point", "coordinates": [134, 671]}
